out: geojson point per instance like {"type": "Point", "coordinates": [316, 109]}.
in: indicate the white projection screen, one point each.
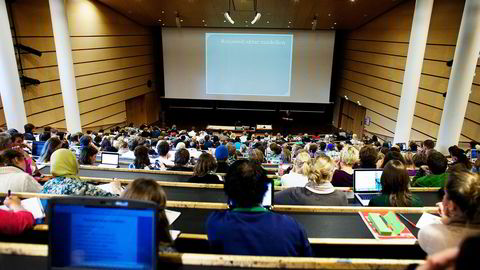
{"type": "Point", "coordinates": [248, 65]}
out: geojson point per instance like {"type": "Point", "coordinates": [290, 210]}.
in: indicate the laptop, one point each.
{"type": "Point", "coordinates": [102, 233]}
{"type": "Point", "coordinates": [37, 148]}
{"type": "Point", "coordinates": [109, 160]}
{"type": "Point", "coordinates": [366, 184]}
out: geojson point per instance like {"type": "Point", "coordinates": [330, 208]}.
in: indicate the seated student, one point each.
{"type": "Point", "coordinates": [13, 177]}
{"type": "Point", "coordinates": [64, 168]}
{"type": "Point", "coordinates": [29, 132]}
{"type": "Point", "coordinates": [141, 161]}
{"type": "Point", "coordinates": [50, 146]}
{"type": "Point", "coordinates": [275, 153]}
{"type": "Point", "coordinates": [343, 177]}
{"type": "Point", "coordinates": [297, 177]}
{"type": "Point", "coordinates": [411, 169]}
{"type": "Point", "coordinates": [318, 190]}
{"type": "Point", "coordinates": [368, 157]}
{"type": "Point", "coordinates": [232, 153]}
{"type": "Point", "coordinates": [395, 187]}
{"type": "Point", "coordinates": [256, 156]}
{"type": "Point", "coordinates": [428, 146]}
{"type": "Point", "coordinates": [17, 138]}
{"type": "Point", "coordinates": [248, 228]}
{"type": "Point", "coordinates": [459, 157]}
{"type": "Point", "coordinates": [149, 190]}
{"type": "Point", "coordinates": [221, 154]}
{"type": "Point", "coordinates": [392, 155]}
{"type": "Point", "coordinates": [88, 155]}
{"type": "Point", "coordinates": [182, 157]}
{"type": "Point", "coordinates": [163, 160]}
{"type": "Point", "coordinates": [17, 220]}
{"type": "Point", "coordinates": [460, 212]}
{"type": "Point", "coordinates": [436, 176]}
{"type": "Point", "coordinates": [45, 136]}
{"type": "Point", "coordinates": [204, 170]}
{"type": "Point", "coordinates": [312, 149]}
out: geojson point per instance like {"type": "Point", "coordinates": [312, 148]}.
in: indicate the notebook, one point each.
{"type": "Point", "coordinates": [102, 233]}
{"type": "Point", "coordinates": [109, 160]}
{"type": "Point", "coordinates": [366, 184]}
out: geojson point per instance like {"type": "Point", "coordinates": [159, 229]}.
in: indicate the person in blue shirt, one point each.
{"type": "Point", "coordinates": [248, 228]}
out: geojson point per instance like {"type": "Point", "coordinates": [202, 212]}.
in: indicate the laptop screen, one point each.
{"type": "Point", "coordinates": [37, 148]}
{"type": "Point", "coordinates": [268, 197]}
{"type": "Point", "coordinates": [110, 158]}
{"type": "Point", "coordinates": [367, 180]}
{"type": "Point", "coordinates": [90, 236]}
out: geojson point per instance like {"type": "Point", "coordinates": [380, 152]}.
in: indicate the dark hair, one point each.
{"type": "Point", "coordinates": [463, 188]}
{"type": "Point", "coordinates": [207, 137]}
{"type": "Point", "coordinates": [384, 150]}
{"type": "Point", "coordinates": [257, 156]}
{"type": "Point", "coordinates": [395, 182]}
{"type": "Point", "coordinates": [141, 157]}
{"type": "Point", "coordinates": [413, 146]}
{"type": "Point", "coordinates": [86, 153]}
{"type": "Point", "coordinates": [61, 135]}
{"type": "Point", "coordinates": [246, 183]}
{"type": "Point", "coordinates": [419, 159]}
{"type": "Point", "coordinates": [149, 190]}
{"type": "Point", "coordinates": [10, 155]}
{"type": "Point", "coordinates": [312, 148]}
{"type": "Point", "coordinates": [429, 144]}
{"type": "Point", "coordinates": [393, 155]}
{"type": "Point", "coordinates": [50, 146]}
{"type": "Point", "coordinates": [468, 255]}
{"type": "Point", "coordinates": [458, 153]}
{"type": "Point", "coordinates": [182, 157]}
{"type": "Point", "coordinates": [29, 128]}
{"type": "Point", "coordinates": [437, 162]}
{"type": "Point", "coordinates": [323, 146]}
{"type": "Point", "coordinates": [132, 144]}
{"type": "Point", "coordinates": [368, 157]}
{"type": "Point", "coordinates": [339, 147]}
{"type": "Point", "coordinates": [16, 135]}
{"type": "Point", "coordinates": [163, 148]}
{"type": "Point", "coordinates": [206, 164]}
{"type": "Point", "coordinates": [105, 145]}
{"type": "Point", "coordinates": [44, 136]}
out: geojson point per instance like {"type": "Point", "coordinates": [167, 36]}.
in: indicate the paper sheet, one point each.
{"type": "Point", "coordinates": [171, 216]}
{"type": "Point", "coordinates": [174, 234]}
{"type": "Point", "coordinates": [427, 219]}
{"type": "Point", "coordinates": [110, 188]}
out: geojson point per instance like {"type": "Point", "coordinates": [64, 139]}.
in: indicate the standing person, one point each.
{"type": "Point", "coordinates": [395, 188]}
{"type": "Point", "coordinates": [459, 211]}
{"type": "Point", "coordinates": [248, 228]}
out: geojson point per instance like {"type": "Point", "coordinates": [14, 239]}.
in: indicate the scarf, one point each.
{"type": "Point", "coordinates": [64, 164]}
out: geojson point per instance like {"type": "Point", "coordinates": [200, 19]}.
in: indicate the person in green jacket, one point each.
{"type": "Point", "coordinates": [437, 175]}
{"type": "Point", "coordinates": [395, 188]}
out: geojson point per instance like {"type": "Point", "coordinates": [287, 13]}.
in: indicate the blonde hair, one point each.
{"type": "Point", "coordinates": [321, 171]}
{"type": "Point", "coordinates": [463, 188]}
{"type": "Point", "coordinates": [302, 163]}
{"type": "Point", "coordinates": [349, 155]}
{"type": "Point", "coordinates": [408, 158]}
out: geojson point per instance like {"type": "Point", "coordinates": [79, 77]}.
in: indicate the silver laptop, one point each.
{"type": "Point", "coordinates": [109, 160]}
{"type": "Point", "coordinates": [366, 184]}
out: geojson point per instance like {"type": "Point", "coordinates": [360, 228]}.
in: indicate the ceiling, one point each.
{"type": "Point", "coordinates": [280, 14]}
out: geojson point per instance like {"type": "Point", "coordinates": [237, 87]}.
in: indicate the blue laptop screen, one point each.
{"type": "Point", "coordinates": [37, 148]}
{"type": "Point", "coordinates": [102, 238]}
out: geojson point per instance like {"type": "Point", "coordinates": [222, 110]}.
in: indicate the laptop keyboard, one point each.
{"type": "Point", "coordinates": [367, 196]}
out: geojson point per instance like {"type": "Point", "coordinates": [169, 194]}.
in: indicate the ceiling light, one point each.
{"type": "Point", "coordinates": [329, 14]}
{"type": "Point", "coordinates": [352, 1]}
{"type": "Point", "coordinates": [257, 17]}
{"type": "Point", "coordinates": [163, 24]}
{"type": "Point", "coordinates": [159, 20]}
{"type": "Point", "coordinates": [268, 21]}
{"type": "Point", "coordinates": [314, 23]}
{"type": "Point", "coordinates": [227, 16]}
{"type": "Point", "coordinates": [346, 97]}
{"type": "Point", "coordinates": [289, 22]}
{"type": "Point", "coordinates": [205, 25]}
{"type": "Point", "coordinates": [288, 26]}
{"type": "Point", "coordinates": [203, 20]}
{"type": "Point", "coordinates": [163, 11]}
{"type": "Point", "coordinates": [181, 20]}
{"type": "Point", "coordinates": [335, 23]}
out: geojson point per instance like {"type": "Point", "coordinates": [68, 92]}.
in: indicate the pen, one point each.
{"type": "Point", "coordinates": [411, 223]}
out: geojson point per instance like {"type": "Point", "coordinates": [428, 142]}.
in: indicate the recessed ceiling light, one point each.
{"type": "Point", "coordinates": [163, 24]}
{"type": "Point", "coordinates": [163, 11]}
{"type": "Point", "coordinates": [203, 20]}
{"type": "Point", "coordinates": [332, 27]}
{"type": "Point", "coordinates": [246, 21]}
{"type": "Point", "coordinates": [181, 20]}
{"type": "Point", "coordinates": [288, 26]}
{"type": "Point", "coordinates": [268, 21]}
{"type": "Point", "coordinates": [352, 1]}
{"type": "Point", "coordinates": [224, 21]}
{"type": "Point", "coordinates": [159, 20]}
{"type": "Point", "coordinates": [205, 25]}
{"type": "Point", "coordinates": [335, 23]}
{"type": "Point", "coordinates": [329, 14]}
{"type": "Point", "coordinates": [289, 22]}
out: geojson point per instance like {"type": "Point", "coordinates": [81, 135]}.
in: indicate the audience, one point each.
{"type": "Point", "coordinates": [64, 168]}
{"type": "Point", "coordinates": [88, 155]}
{"type": "Point", "coordinates": [141, 161]}
{"type": "Point", "coordinates": [297, 176]}
{"type": "Point", "coordinates": [204, 171]}
{"type": "Point", "coordinates": [459, 210]}
{"type": "Point", "coordinates": [50, 146]}
{"type": "Point", "coordinates": [368, 157]}
{"type": "Point", "coordinates": [149, 190]}
{"type": "Point", "coordinates": [221, 154]}
{"type": "Point", "coordinates": [395, 187]}
{"type": "Point", "coordinates": [343, 176]}
{"type": "Point", "coordinates": [182, 157]}
{"type": "Point", "coordinates": [163, 160]}
{"type": "Point", "coordinates": [318, 190]}
{"type": "Point", "coordinates": [392, 155]}
{"type": "Point", "coordinates": [435, 175]}
{"type": "Point", "coordinates": [29, 128]}
{"type": "Point", "coordinates": [13, 176]}
{"type": "Point", "coordinates": [248, 228]}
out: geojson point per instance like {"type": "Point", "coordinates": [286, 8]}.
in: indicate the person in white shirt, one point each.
{"type": "Point", "coordinates": [297, 177]}
{"type": "Point", "coordinates": [164, 159]}
{"type": "Point", "coordinates": [13, 177]}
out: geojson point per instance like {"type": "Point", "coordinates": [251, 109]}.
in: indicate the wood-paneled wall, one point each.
{"type": "Point", "coordinates": [112, 55]}
{"type": "Point", "coordinates": [352, 117]}
{"type": "Point", "coordinates": [374, 63]}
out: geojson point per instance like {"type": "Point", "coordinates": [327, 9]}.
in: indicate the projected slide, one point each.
{"type": "Point", "coordinates": [248, 64]}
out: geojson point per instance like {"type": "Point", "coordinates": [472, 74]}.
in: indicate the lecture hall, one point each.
{"type": "Point", "coordinates": [239, 134]}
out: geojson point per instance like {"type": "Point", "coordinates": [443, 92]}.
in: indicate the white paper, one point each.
{"type": "Point", "coordinates": [174, 234]}
{"type": "Point", "coordinates": [171, 216]}
{"type": "Point", "coordinates": [4, 207]}
{"type": "Point", "coordinates": [39, 167]}
{"type": "Point", "coordinates": [427, 219]}
{"type": "Point", "coordinates": [110, 188]}
{"type": "Point", "coordinates": [34, 206]}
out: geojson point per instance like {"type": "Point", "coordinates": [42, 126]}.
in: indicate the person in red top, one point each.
{"type": "Point", "coordinates": [16, 221]}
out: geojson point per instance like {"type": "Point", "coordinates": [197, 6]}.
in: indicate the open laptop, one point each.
{"type": "Point", "coordinates": [366, 184]}
{"type": "Point", "coordinates": [102, 233]}
{"type": "Point", "coordinates": [109, 160]}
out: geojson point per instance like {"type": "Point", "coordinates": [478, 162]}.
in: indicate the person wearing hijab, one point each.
{"type": "Point", "coordinates": [64, 168]}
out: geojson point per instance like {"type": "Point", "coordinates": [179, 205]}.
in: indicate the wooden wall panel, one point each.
{"type": "Point", "coordinates": [374, 62]}
{"type": "Point", "coordinates": [112, 55]}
